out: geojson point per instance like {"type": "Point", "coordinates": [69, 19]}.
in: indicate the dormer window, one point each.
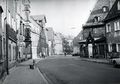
{"type": "Point", "coordinates": [40, 21]}
{"type": "Point", "coordinates": [104, 9]}
{"type": "Point", "coordinates": [118, 5]}
{"type": "Point", "coordinates": [96, 19]}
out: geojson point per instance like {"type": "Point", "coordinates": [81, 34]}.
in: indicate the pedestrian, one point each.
{"type": "Point", "coordinates": [65, 54]}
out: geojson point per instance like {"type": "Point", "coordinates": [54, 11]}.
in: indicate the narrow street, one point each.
{"type": "Point", "coordinates": [72, 70]}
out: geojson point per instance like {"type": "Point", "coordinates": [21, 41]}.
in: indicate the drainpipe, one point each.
{"type": "Point", "coordinates": [7, 35]}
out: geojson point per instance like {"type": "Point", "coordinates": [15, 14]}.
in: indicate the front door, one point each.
{"type": "Point", "coordinates": [90, 50]}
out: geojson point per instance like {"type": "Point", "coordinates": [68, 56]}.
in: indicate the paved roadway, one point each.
{"type": "Point", "coordinates": [71, 70]}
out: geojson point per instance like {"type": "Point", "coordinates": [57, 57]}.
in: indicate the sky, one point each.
{"type": "Point", "coordinates": [64, 16]}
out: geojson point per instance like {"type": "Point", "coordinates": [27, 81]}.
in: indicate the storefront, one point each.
{"type": "Point", "coordinates": [93, 47]}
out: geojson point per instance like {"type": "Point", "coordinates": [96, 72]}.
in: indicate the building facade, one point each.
{"type": "Point", "coordinates": [76, 45]}
{"type": "Point", "coordinates": [50, 40]}
{"type": "Point", "coordinates": [94, 33]}
{"type": "Point", "coordinates": [42, 46]}
{"type": "Point", "coordinates": [58, 47]}
{"type": "Point", "coordinates": [113, 30]}
{"type": "Point", "coordinates": [12, 24]}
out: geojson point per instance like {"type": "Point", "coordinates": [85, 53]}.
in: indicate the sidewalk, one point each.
{"type": "Point", "coordinates": [103, 61]}
{"type": "Point", "coordinates": [22, 74]}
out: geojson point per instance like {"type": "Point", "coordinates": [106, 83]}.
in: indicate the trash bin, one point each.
{"type": "Point", "coordinates": [31, 66]}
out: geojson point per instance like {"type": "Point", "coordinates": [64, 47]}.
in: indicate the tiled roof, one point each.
{"type": "Point", "coordinates": [98, 11]}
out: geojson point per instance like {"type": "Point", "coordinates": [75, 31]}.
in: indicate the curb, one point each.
{"type": "Point", "coordinates": [96, 61]}
{"type": "Point", "coordinates": [45, 78]}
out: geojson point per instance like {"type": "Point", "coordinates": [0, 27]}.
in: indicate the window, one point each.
{"type": "Point", "coordinates": [23, 29]}
{"type": "Point", "coordinates": [20, 27]}
{"type": "Point", "coordinates": [9, 52]}
{"type": "Point", "coordinates": [0, 48]}
{"type": "Point", "coordinates": [96, 19]}
{"type": "Point", "coordinates": [110, 48]}
{"type": "Point", "coordinates": [117, 33]}
{"type": "Point", "coordinates": [114, 49]}
{"type": "Point", "coordinates": [13, 24]}
{"type": "Point", "coordinates": [118, 48]}
{"type": "Point", "coordinates": [95, 30]}
{"type": "Point", "coordinates": [104, 9]}
{"type": "Point", "coordinates": [118, 5]}
{"type": "Point", "coordinates": [9, 18]}
{"type": "Point", "coordinates": [108, 28]}
{"type": "Point", "coordinates": [116, 25]}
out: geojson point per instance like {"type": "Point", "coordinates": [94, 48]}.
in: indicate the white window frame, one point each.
{"type": "Point", "coordinates": [118, 49]}
{"type": "Point", "coordinates": [118, 5]}
{"type": "Point", "coordinates": [104, 9]}
{"type": "Point", "coordinates": [9, 18]}
{"type": "Point", "coordinates": [116, 25]}
{"type": "Point", "coordinates": [110, 47]}
{"type": "Point", "coordinates": [108, 27]}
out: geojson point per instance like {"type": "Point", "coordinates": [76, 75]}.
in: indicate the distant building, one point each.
{"type": "Point", "coordinates": [40, 46]}
{"type": "Point", "coordinates": [58, 48]}
{"type": "Point", "coordinates": [35, 34]}
{"type": "Point", "coordinates": [50, 40]}
{"type": "Point", "coordinates": [76, 45]}
{"type": "Point", "coordinates": [67, 42]}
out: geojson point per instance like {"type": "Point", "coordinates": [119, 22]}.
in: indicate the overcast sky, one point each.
{"type": "Point", "coordinates": [65, 16]}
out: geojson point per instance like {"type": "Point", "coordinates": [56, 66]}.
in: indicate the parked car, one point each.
{"type": "Point", "coordinates": [115, 62]}
{"type": "Point", "coordinates": [75, 54]}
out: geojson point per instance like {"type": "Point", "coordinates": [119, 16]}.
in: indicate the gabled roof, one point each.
{"type": "Point", "coordinates": [114, 12]}
{"type": "Point", "coordinates": [77, 39]}
{"type": "Point", "coordinates": [98, 12]}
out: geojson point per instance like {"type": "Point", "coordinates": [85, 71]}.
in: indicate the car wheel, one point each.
{"type": "Point", "coordinates": [114, 63]}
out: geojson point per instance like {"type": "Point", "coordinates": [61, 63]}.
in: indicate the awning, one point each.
{"type": "Point", "coordinates": [96, 40]}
